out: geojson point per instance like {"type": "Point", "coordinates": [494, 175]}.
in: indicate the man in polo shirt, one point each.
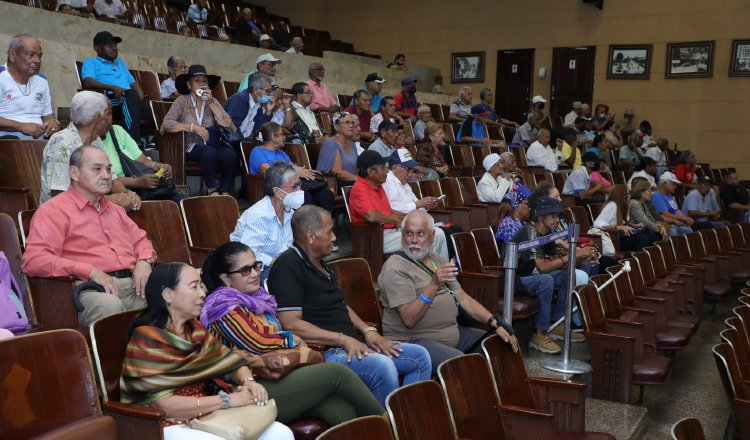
{"type": "Point", "coordinates": [541, 154]}
{"type": "Point", "coordinates": [733, 195]}
{"type": "Point", "coordinates": [305, 124]}
{"type": "Point", "coordinates": [323, 100]}
{"type": "Point", "coordinates": [406, 99]}
{"type": "Point", "coordinates": [461, 107]}
{"type": "Point", "coordinates": [570, 118]}
{"type": "Point", "coordinates": [25, 100]}
{"type": "Point", "coordinates": [492, 117]}
{"type": "Point", "coordinates": [579, 181]}
{"type": "Point", "coordinates": [700, 204]}
{"type": "Point", "coordinates": [526, 133]}
{"type": "Point", "coordinates": [361, 108]}
{"type": "Point", "coordinates": [110, 73]}
{"type": "Point", "coordinates": [265, 64]}
{"type": "Point", "coordinates": [665, 204]}
{"type": "Point", "coordinates": [472, 130]}
{"type": "Point", "coordinates": [384, 145]}
{"type": "Point", "coordinates": [80, 234]}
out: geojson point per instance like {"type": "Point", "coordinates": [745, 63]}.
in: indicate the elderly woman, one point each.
{"type": "Point", "coordinates": [270, 151]}
{"type": "Point", "coordinates": [176, 66]}
{"type": "Point", "coordinates": [243, 316]}
{"type": "Point", "coordinates": [196, 114]}
{"type": "Point", "coordinates": [614, 217]}
{"type": "Point", "coordinates": [171, 359]}
{"type": "Point", "coordinates": [513, 213]}
{"type": "Point", "coordinates": [429, 154]}
{"type": "Point", "coordinates": [338, 154]}
{"type": "Point", "coordinates": [641, 212]}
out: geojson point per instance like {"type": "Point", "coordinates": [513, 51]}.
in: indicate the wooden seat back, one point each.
{"type": "Point", "coordinates": [355, 279]}
{"type": "Point", "coordinates": [21, 164]}
{"type": "Point", "coordinates": [581, 217]}
{"type": "Point", "coordinates": [489, 253]}
{"type": "Point", "coordinates": [624, 289]}
{"type": "Point", "coordinates": [109, 341]}
{"type": "Point", "coordinates": [313, 153]}
{"type": "Point", "coordinates": [437, 112]}
{"type": "Point", "coordinates": [594, 210]}
{"type": "Point", "coordinates": [608, 298]}
{"type": "Point", "coordinates": [208, 222]}
{"type": "Point", "coordinates": [681, 248]}
{"type": "Point", "coordinates": [362, 428]}
{"type": "Point", "coordinates": [646, 267]}
{"type": "Point", "coordinates": [688, 429]}
{"type": "Point", "coordinates": [467, 187]}
{"type": "Point", "coordinates": [149, 82]}
{"type": "Point", "coordinates": [559, 180]}
{"type": "Point", "coordinates": [419, 412]}
{"type": "Point", "coordinates": [162, 222]}
{"type": "Point", "coordinates": [592, 308]}
{"type": "Point", "coordinates": [159, 110]}
{"type": "Point", "coordinates": [739, 343]}
{"type": "Point", "coordinates": [467, 254]}
{"type": "Point", "coordinates": [480, 153]}
{"type": "Point", "coordinates": [231, 87]}
{"type": "Point", "coordinates": [509, 372]}
{"type": "Point", "coordinates": [255, 182]}
{"type": "Point", "coordinates": [298, 155]}
{"type": "Point", "coordinates": [726, 363]}
{"type": "Point", "coordinates": [432, 188]}
{"type": "Point", "coordinates": [453, 196]}
{"type": "Point", "coordinates": [697, 245]}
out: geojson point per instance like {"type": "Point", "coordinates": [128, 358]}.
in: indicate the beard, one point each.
{"type": "Point", "coordinates": [416, 252]}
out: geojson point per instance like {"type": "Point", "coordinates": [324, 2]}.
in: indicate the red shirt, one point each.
{"type": "Point", "coordinates": [685, 173]}
{"type": "Point", "coordinates": [364, 117]}
{"type": "Point", "coordinates": [406, 105]}
{"type": "Point", "coordinates": [69, 237]}
{"type": "Point", "coordinates": [364, 197]}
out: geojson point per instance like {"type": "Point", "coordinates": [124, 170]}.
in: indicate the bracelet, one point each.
{"type": "Point", "coordinates": [424, 299]}
{"type": "Point", "coordinates": [338, 339]}
{"type": "Point", "coordinates": [248, 379]}
{"type": "Point", "coordinates": [191, 128]}
{"type": "Point", "coordinates": [226, 401]}
{"type": "Point", "coordinates": [198, 405]}
{"type": "Point", "coordinates": [368, 330]}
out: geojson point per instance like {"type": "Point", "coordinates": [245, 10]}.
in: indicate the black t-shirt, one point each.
{"type": "Point", "coordinates": [526, 263]}
{"type": "Point", "coordinates": [732, 194]}
{"type": "Point", "coordinates": [300, 286]}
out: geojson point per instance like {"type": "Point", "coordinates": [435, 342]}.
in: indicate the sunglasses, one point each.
{"type": "Point", "coordinates": [246, 270]}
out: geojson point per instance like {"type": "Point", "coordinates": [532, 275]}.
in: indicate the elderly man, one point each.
{"type": "Point", "coordinates": [361, 108]}
{"type": "Point", "coordinates": [323, 100]}
{"type": "Point", "coordinates": [113, 8]}
{"type": "Point", "coordinates": [461, 107]}
{"type": "Point", "coordinates": [424, 116]}
{"type": "Point", "coordinates": [579, 181]}
{"type": "Point", "coordinates": [25, 101]}
{"type": "Point", "coordinates": [267, 225]}
{"type": "Point", "coordinates": [733, 195]}
{"type": "Point", "coordinates": [265, 41]}
{"type": "Point", "coordinates": [658, 152]}
{"type": "Point", "coordinates": [492, 186]}
{"type": "Point", "coordinates": [385, 144]}
{"type": "Point", "coordinates": [630, 156]}
{"type": "Point", "coordinates": [305, 125]}
{"type": "Point", "coordinates": [265, 64]}
{"type": "Point", "coordinates": [251, 107]}
{"type": "Point", "coordinates": [665, 204]}
{"type": "Point", "coordinates": [387, 112]}
{"type": "Point", "coordinates": [570, 118]}
{"type": "Point", "coordinates": [541, 154]}
{"type": "Point", "coordinates": [108, 72]}
{"type": "Point", "coordinates": [91, 117]}
{"type": "Point", "coordinates": [297, 46]}
{"type": "Point", "coordinates": [493, 118]}
{"type": "Point", "coordinates": [627, 126]}
{"type": "Point", "coordinates": [526, 134]}
{"type": "Point", "coordinates": [373, 87]}
{"type": "Point", "coordinates": [571, 155]}
{"type": "Point", "coordinates": [421, 296]}
{"type": "Point", "coordinates": [701, 205]}
{"type": "Point", "coordinates": [247, 31]}
{"type": "Point", "coordinates": [406, 99]}
{"type": "Point", "coordinates": [311, 305]}
{"type": "Point", "coordinates": [472, 129]}
{"type": "Point", "coordinates": [81, 234]}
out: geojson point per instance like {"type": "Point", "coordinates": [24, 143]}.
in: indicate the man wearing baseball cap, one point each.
{"type": "Point", "coordinates": [701, 205]}
{"type": "Point", "coordinates": [537, 107]}
{"type": "Point", "coordinates": [665, 204]}
{"type": "Point", "coordinates": [579, 181]}
{"type": "Point", "coordinates": [406, 99]}
{"type": "Point", "coordinates": [570, 118]}
{"type": "Point", "coordinates": [110, 73]}
{"type": "Point", "coordinates": [373, 86]}
{"type": "Point", "coordinates": [472, 129]}
{"type": "Point", "coordinates": [492, 186]}
{"type": "Point", "coordinates": [265, 63]}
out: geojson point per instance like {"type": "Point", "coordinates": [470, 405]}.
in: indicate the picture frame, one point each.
{"type": "Point", "coordinates": [629, 61]}
{"type": "Point", "coordinates": [739, 63]}
{"type": "Point", "coordinates": [467, 67]}
{"type": "Point", "coordinates": [690, 60]}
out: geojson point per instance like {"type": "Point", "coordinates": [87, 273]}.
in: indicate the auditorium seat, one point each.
{"type": "Point", "coordinates": [681, 294]}
{"type": "Point", "coordinates": [10, 245]}
{"type": "Point", "coordinates": [487, 246]}
{"type": "Point", "coordinates": [437, 112]}
{"type": "Point", "coordinates": [463, 161]}
{"type": "Point", "coordinates": [419, 412]}
{"type": "Point", "coordinates": [727, 245]}
{"type": "Point", "coordinates": [367, 239]}
{"type": "Point", "coordinates": [739, 344]}
{"type": "Point", "coordinates": [470, 196]}
{"type": "Point", "coordinates": [48, 389]}
{"type": "Point", "coordinates": [726, 363]}
{"type": "Point", "coordinates": [478, 216]}
{"type": "Point", "coordinates": [208, 222]}
{"type": "Point", "coordinates": [459, 215]}
{"type": "Point", "coordinates": [21, 163]}
{"type": "Point", "coordinates": [162, 221]}
{"type": "Point", "coordinates": [255, 182]}
{"type": "Point", "coordinates": [692, 282]}
{"type": "Point", "coordinates": [723, 251]}
{"type": "Point", "coordinates": [714, 288]}
{"type": "Point", "coordinates": [439, 215]}
{"type": "Point", "coordinates": [688, 429]}
{"type": "Point", "coordinates": [363, 428]}
{"type": "Point", "coordinates": [355, 280]}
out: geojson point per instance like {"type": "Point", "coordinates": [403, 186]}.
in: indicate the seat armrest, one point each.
{"type": "Point", "coordinates": [527, 422]}
{"type": "Point", "coordinates": [133, 410]}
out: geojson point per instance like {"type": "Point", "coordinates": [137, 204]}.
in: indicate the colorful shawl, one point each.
{"type": "Point", "coordinates": [224, 299]}
{"type": "Point", "coordinates": [158, 362]}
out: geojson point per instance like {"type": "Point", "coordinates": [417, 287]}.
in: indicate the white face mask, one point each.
{"type": "Point", "coordinates": [294, 199]}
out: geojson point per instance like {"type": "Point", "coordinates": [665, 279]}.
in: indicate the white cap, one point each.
{"type": "Point", "coordinates": [490, 160]}
{"type": "Point", "coordinates": [267, 57]}
{"type": "Point", "coordinates": [264, 37]}
{"type": "Point", "coordinates": [537, 99]}
{"type": "Point", "coordinates": [669, 176]}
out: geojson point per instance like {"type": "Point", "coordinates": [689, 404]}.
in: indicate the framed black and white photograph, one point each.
{"type": "Point", "coordinates": [690, 60]}
{"type": "Point", "coordinates": [631, 61]}
{"type": "Point", "coordinates": [740, 61]}
{"type": "Point", "coordinates": [468, 67]}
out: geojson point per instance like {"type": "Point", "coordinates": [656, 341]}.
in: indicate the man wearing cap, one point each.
{"type": "Point", "coordinates": [658, 152]}
{"type": "Point", "coordinates": [665, 204]}
{"type": "Point", "coordinates": [265, 41]}
{"type": "Point", "coordinates": [384, 145]}
{"type": "Point", "coordinates": [579, 181]}
{"type": "Point", "coordinates": [541, 154]}
{"type": "Point", "coordinates": [537, 107]}
{"type": "Point", "coordinates": [297, 46]}
{"type": "Point", "coordinates": [362, 108]}
{"type": "Point", "coordinates": [108, 72]}
{"type": "Point", "coordinates": [265, 64]}
{"type": "Point", "coordinates": [700, 204]}
{"type": "Point", "coordinates": [406, 99]}
{"type": "Point", "coordinates": [492, 186]}
{"type": "Point", "coordinates": [472, 129]}
{"type": "Point", "coordinates": [526, 133]}
{"type": "Point", "coordinates": [25, 99]}
{"type": "Point", "coordinates": [323, 100]}
{"type": "Point", "coordinates": [373, 87]}
{"type": "Point", "coordinates": [570, 118]}
{"type": "Point", "coordinates": [461, 107]}
{"type": "Point", "coordinates": [402, 198]}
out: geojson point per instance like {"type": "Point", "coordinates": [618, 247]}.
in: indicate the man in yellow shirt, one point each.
{"type": "Point", "coordinates": [571, 156]}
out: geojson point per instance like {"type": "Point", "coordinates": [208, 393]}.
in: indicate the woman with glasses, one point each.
{"type": "Point", "coordinates": [338, 154]}
{"type": "Point", "coordinates": [242, 315]}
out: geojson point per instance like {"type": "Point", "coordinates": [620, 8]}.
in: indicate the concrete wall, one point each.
{"type": "Point", "coordinates": [706, 115]}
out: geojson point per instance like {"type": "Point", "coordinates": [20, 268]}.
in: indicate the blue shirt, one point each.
{"type": "Point", "coordinates": [259, 156]}
{"type": "Point", "coordinates": [375, 101]}
{"type": "Point", "coordinates": [475, 130]}
{"type": "Point", "coordinates": [196, 14]}
{"type": "Point", "coordinates": [112, 73]}
{"type": "Point", "coordinates": [695, 201]}
{"type": "Point", "coordinates": [664, 203]}
{"type": "Point", "coordinates": [493, 114]}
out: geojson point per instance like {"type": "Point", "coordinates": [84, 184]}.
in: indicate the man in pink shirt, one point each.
{"type": "Point", "coordinates": [79, 233]}
{"type": "Point", "coordinates": [323, 100]}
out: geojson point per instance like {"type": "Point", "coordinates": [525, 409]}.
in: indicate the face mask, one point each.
{"type": "Point", "coordinates": [596, 166]}
{"type": "Point", "coordinates": [412, 90]}
{"type": "Point", "coordinates": [294, 199]}
{"type": "Point", "coordinates": [264, 99]}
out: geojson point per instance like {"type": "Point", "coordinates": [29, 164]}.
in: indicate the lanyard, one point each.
{"type": "Point", "coordinates": [424, 267]}
{"type": "Point", "coordinates": [198, 117]}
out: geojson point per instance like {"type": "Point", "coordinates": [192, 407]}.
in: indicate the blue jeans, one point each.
{"type": "Point", "coordinates": [380, 373]}
{"type": "Point", "coordinates": [679, 230]}
{"type": "Point", "coordinates": [543, 287]}
{"type": "Point", "coordinates": [439, 352]}
{"type": "Point", "coordinates": [561, 285]}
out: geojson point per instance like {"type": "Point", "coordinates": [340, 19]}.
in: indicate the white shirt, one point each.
{"type": "Point", "coordinates": [111, 10]}
{"type": "Point", "coordinates": [570, 119]}
{"type": "Point", "coordinates": [307, 116]}
{"type": "Point", "coordinates": [490, 189]}
{"type": "Point", "coordinates": [540, 156]}
{"type": "Point", "coordinates": [247, 124]}
{"type": "Point", "coordinates": [24, 103]}
{"type": "Point", "coordinates": [260, 228]}
{"type": "Point", "coordinates": [167, 88]}
{"type": "Point", "coordinates": [400, 195]}
{"type": "Point", "coordinates": [658, 155]}
{"type": "Point", "coordinates": [291, 50]}
{"type": "Point", "coordinates": [74, 3]}
{"type": "Point", "coordinates": [578, 181]}
{"type": "Point", "coordinates": [643, 174]}
{"type": "Point", "coordinates": [608, 216]}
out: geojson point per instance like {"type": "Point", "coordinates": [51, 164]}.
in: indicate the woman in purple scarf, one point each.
{"type": "Point", "coordinates": [243, 316]}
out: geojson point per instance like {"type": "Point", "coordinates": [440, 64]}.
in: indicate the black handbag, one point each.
{"type": "Point", "coordinates": [227, 136]}
{"type": "Point", "coordinates": [133, 168]}
{"type": "Point", "coordinates": [316, 184]}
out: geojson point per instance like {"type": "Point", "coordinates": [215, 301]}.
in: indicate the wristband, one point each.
{"type": "Point", "coordinates": [225, 399]}
{"type": "Point", "coordinates": [424, 299]}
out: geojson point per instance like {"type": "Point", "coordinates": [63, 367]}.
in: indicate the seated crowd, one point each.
{"type": "Point", "coordinates": [269, 287]}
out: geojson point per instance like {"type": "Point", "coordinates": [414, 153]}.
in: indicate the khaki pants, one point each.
{"type": "Point", "coordinates": [392, 242]}
{"type": "Point", "coordinates": [97, 305]}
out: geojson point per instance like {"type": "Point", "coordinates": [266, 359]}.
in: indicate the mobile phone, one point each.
{"type": "Point", "coordinates": [441, 197]}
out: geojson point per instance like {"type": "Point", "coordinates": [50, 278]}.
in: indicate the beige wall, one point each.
{"type": "Point", "coordinates": [707, 115]}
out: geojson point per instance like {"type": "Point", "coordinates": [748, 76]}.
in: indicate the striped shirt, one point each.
{"type": "Point", "coordinates": [247, 331]}
{"type": "Point", "coordinates": [260, 228]}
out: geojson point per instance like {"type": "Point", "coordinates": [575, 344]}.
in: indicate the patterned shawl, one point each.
{"type": "Point", "coordinates": [158, 362]}
{"type": "Point", "coordinates": [224, 299]}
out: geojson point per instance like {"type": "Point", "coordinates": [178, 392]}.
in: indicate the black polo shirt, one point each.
{"type": "Point", "coordinates": [732, 194]}
{"type": "Point", "coordinates": [300, 286]}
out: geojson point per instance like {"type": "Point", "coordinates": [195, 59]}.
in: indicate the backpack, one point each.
{"type": "Point", "coordinates": [12, 313]}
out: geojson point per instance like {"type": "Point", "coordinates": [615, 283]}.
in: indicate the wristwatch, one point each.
{"type": "Point", "coordinates": [368, 330]}
{"type": "Point", "coordinates": [148, 260]}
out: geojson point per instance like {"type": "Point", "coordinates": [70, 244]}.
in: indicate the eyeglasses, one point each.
{"type": "Point", "coordinates": [246, 270]}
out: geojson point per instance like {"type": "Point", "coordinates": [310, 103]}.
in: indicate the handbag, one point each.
{"type": "Point", "coordinates": [241, 423]}
{"type": "Point", "coordinates": [608, 247]}
{"type": "Point", "coordinates": [279, 363]}
{"type": "Point", "coordinates": [318, 183]}
{"type": "Point", "coordinates": [133, 168]}
{"type": "Point", "coordinates": [227, 136]}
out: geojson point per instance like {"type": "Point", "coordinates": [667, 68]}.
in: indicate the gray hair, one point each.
{"type": "Point", "coordinates": [484, 92]}
{"type": "Point", "coordinates": [307, 218]}
{"type": "Point", "coordinates": [662, 142]}
{"type": "Point", "coordinates": [507, 156]}
{"type": "Point", "coordinates": [76, 157]}
{"type": "Point", "coordinates": [172, 61]}
{"type": "Point", "coordinates": [86, 106]}
{"type": "Point", "coordinates": [257, 80]}
{"type": "Point", "coordinates": [16, 42]}
{"type": "Point", "coordinates": [419, 212]}
{"type": "Point", "coordinates": [296, 40]}
{"type": "Point", "coordinates": [463, 90]}
{"type": "Point", "coordinates": [423, 108]}
{"type": "Point", "coordinates": [543, 131]}
{"type": "Point", "coordinates": [277, 175]}
{"type": "Point", "coordinates": [314, 65]}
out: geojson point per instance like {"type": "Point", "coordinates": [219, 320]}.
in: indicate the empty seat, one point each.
{"type": "Point", "coordinates": [419, 412]}
{"type": "Point", "coordinates": [208, 222]}
{"type": "Point", "coordinates": [363, 428]}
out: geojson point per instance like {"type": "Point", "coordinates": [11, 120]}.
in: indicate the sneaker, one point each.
{"type": "Point", "coordinates": [541, 341]}
{"type": "Point", "coordinates": [557, 334]}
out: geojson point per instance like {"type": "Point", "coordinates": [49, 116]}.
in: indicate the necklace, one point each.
{"type": "Point", "coordinates": [28, 86]}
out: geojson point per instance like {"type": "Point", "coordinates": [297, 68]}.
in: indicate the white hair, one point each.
{"type": "Point", "coordinates": [86, 105]}
{"type": "Point", "coordinates": [462, 91]}
{"type": "Point", "coordinates": [423, 108]}
{"type": "Point", "coordinates": [419, 212]}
